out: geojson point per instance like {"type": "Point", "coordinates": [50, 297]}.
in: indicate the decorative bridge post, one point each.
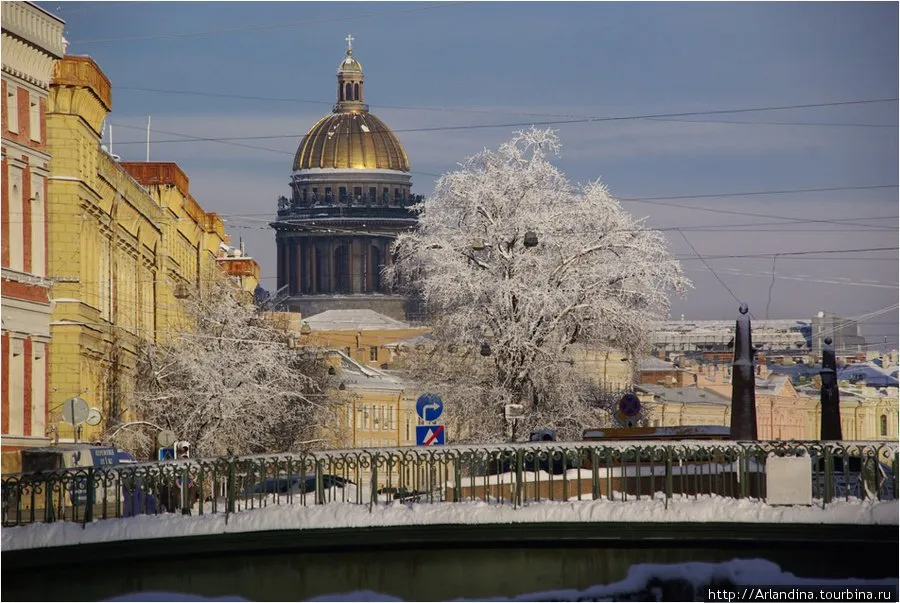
{"type": "Point", "coordinates": [743, 382]}
{"type": "Point", "coordinates": [830, 397]}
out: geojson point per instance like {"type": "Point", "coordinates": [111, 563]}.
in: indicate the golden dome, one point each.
{"type": "Point", "coordinates": [351, 140]}
{"type": "Point", "coordinates": [351, 137]}
{"type": "Point", "coordinates": [349, 64]}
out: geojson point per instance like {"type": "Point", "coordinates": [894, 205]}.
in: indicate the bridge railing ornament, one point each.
{"type": "Point", "coordinates": [512, 474]}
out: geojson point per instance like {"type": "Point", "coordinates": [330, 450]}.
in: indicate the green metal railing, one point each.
{"type": "Point", "coordinates": [516, 474]}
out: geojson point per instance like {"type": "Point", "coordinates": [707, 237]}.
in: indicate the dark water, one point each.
{"type": "Point", "coordinates": [415, 574]}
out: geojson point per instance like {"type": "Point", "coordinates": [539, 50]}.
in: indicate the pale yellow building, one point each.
{"type": "Point", "coordinates": [362, 335]}
{"type": "Point", "coordinates": [126, 243]}
{"type": "Point", "coordinates": [380, 407]}
{"type": "Point", "coordinates": [782, 412]}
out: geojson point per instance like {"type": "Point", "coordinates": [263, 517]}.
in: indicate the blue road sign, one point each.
{"type": "Point", "coordinates": [166, 454]}
{"type": "Point", "coordinates": [430, 435]}
{"type": "Point", "coordinates": [630, 405]}
{"type": "Point", "coordinates": [429, 407]}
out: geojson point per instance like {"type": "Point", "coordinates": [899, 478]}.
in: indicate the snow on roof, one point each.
{"type": "Point", "coordinates": [869, 373]}
{"type": "Point", "coordinates": [689, 395]}
{"type": "Point", "coordinates": [356, 374]}
{"type": "Point", "coordinates": [354, 320]}
{"type": "Point", "coordinates": [411, 342]}
{"type": "Point", "coordinates": [652, 363]}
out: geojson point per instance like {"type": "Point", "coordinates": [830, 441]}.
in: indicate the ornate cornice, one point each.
{"type": "Point", "coordinates": [32, 41]}
{"type": "Point", "coordinates": [83, 72]}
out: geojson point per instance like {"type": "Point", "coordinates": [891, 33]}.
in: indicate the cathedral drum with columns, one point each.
{"type": "Point", "coordinates": [350, 196]}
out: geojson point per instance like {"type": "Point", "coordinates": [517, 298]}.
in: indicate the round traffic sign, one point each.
{"type": "Point", "coordinates": [166, 438]}
{"type": "Point", "coordinates": [75, 411]}
{"type": "Point", "coordinates": [429, 407]}
{"type": "Point", "coordinates": [630, 405]}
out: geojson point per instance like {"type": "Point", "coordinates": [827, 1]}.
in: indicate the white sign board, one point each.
{"type": "Point", "coordinates": [788, 480]}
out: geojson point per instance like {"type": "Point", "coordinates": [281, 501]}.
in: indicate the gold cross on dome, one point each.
{"type": "Point", "coordinates": [349, 39]}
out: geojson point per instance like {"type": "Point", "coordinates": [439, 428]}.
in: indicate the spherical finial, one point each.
{"type": "Point", "coordinates": [828, 341]}
{"type": "Point", "coordinates": [744, 309]}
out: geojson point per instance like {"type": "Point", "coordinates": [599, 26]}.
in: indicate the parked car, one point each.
{"type": "Point", "coordinates": [295, 484]}
{"type": "Point", "coordinates": [401, 494]}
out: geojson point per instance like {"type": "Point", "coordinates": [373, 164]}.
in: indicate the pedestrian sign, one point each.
{"type": "Point", "coordinates": [430, 435]}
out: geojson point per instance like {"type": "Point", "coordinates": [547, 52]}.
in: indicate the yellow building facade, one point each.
{"type": "Point", "coordinates": [123, 248]}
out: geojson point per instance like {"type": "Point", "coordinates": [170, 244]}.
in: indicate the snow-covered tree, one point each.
{"type": "Point", "coordinates": [510, 254]}
{"type": "Point", "coordinates": [231, 381]}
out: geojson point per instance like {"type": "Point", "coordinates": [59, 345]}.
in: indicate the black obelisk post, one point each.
{"type": "Point", "coordinates": [831, 400]}
{"type": "Point", "coordinates": [743, 382]}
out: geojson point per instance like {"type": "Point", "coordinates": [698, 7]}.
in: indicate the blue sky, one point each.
{"type": "Point", "coordinates": [459, 64]}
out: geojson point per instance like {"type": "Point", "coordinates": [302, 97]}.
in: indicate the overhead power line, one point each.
{"type": "Point", "coordinates": [551, 121]}
{"type": "Point", "coordinates": [492, 111]}
{"type": "Point", "coordinates": [782, 254]}
{"type": "Point", "coordinates": [234, 30]}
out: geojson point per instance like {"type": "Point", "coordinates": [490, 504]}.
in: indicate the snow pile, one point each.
{"type": "Point", "coordinates": [344, 515]}
{"type": "Point", "coordinates": [650, 582]}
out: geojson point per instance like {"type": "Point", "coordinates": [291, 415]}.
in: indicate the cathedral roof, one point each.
{"type": "Point", "coordinates": [351, 140]}
{"type": "Point", "coordinates": [350, 137]}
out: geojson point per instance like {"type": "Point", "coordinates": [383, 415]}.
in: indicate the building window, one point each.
{"type": "Point", "coordinates": [390, 420]}
{"type": "Point", "coordinates": [12, 108]}
{"type": "Point", "coordinates": [16, 221]}
{"type": "Point", "coordinates": [373, 194]}
{"type": "Point", "coordinates": [38, 228]}
{"type": "Point", "coordinates": [355, 91]}
{"type": "Point", "coordinates": [347, 351]}
{"type": "Point", "coordinates": [373, 354]}
{"type": "Point", "coordinates": [349, 91]}
{"type": "Point", "coordinates": [34, 115]}
{"type": "Point", "coordinates": [357, 193]}
{"type": "Point", "coordinates": [884, 426]}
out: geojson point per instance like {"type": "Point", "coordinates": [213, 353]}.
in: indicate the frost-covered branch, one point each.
{"type": "Point", "coordinates": [598, 277]}
{"type": "Point", "coordinates": [231, 382]}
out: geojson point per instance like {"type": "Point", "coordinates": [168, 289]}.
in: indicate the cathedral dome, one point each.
{"type": "Point", "coordinates": [350, 138]}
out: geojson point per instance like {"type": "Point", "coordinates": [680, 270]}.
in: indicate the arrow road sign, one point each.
{"type": "Point", "coordinates": [429, 407]}
{"type": "Point", "coordinates": [429, 435]}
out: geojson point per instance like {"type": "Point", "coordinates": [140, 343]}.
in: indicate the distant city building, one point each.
{"type": "Point", "coordinates": [843, 332]}
{"type": "Point", "coordinates": [350, 197]}
{"type": "Point", "coordinates": [711, 341]}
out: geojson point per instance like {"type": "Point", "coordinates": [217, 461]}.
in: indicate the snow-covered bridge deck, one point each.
{"type": "Point", "coordinates": [633, 474]}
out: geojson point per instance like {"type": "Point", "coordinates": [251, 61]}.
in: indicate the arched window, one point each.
{"type": "Point", "coordinates": [355, 91]}
{"type": "Point", "coordinates": [884, 425]}
{"type": "Point", "coordinates": [349, 93]}
{"type": "Point", "coordinates": [340, 92]}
